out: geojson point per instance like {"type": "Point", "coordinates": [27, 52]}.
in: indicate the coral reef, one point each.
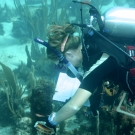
{"type": "Point", "coordinates": [131, 3]}
{"type": "Point", "coordinates": [23, 126]}
{"type": "Point", "coordinates": [13, 90]}
{"type": "Point", "coordinates": [6, 14]}
{"type": "Point", "coordinates": [33, 19]}
{"type": "Point", "coordinates": [19, 30]}
{"type": "Point", "coordinates": [41, 100]}
{"type": "Point", "coordinates": [34, 22]}
{"type": "Point", "coordinates": [6, 115]}
{"type": "Point", "coordinates": [41, 93]}
{"type": "Point", "coordinates": [31, 83]}
{"type": "Point", "coordinates": [120, 2]}
{"type": "Point", "coordinates": [114, 123]}
{"type": "Point", "coordinates": [11, 102]}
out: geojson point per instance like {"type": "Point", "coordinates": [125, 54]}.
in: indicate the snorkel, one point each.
{"type": "Point", "coordinates": [63, 62]}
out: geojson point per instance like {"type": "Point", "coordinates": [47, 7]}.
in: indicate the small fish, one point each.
{"type": "Point", "coordinates": [39, 115]}
{"type": "Point", "coordinates": [82, 2]}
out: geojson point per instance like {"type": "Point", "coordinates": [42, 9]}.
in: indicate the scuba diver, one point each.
{"type": "Point", "coordinates": [119, 65]}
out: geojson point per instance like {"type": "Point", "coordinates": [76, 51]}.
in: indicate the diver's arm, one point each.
{"type": "Point", "coordinates": [88, 85]}
{"type": "Point", "coordinates": [71, 107]}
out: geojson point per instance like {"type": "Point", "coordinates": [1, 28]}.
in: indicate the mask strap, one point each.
{"type": "Point", "coordinates": [64, 43]}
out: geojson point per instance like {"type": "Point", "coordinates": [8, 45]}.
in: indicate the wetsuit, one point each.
{"type": "Point", "coordinates": [92, 80]}
{"type": "Point", "coordinates": [112, 68]}
{"type": "Point", "coordinates": [96, 46]}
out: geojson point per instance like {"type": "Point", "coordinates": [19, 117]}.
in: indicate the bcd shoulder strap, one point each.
{"type": "Point", "coordinates": [130, 76]}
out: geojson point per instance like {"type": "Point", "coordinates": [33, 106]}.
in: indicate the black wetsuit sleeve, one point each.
{"type": "Point", "coordinates": [94, 78]}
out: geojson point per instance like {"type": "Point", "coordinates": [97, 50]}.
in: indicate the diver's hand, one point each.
{"type": "Point", "coordinates": [47, 126]}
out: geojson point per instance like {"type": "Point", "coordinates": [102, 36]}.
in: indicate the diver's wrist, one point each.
{"type": "Point", "coordinates": [50, 119]}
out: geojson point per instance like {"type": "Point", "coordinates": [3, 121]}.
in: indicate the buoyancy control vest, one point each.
{"type": "Point", "coordinates": [96, 46]}
{"type": "Point", "coordinates": [117, 25]}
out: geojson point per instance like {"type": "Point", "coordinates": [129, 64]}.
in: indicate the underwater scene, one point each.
{"type": "Point", "coordinates": [31, 84]}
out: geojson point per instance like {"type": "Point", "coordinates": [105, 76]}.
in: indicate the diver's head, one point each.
{"type": "Point", "coordinates": [62, 39]}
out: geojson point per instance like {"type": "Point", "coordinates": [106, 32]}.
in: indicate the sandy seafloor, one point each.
{"type": "Point", "coordinates": [11, 51]}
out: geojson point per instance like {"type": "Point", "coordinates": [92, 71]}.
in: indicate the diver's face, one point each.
{"type": "Point", "coordinates": [75, 56]}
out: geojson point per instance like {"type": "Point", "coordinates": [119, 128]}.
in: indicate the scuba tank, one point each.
{"type": "Point", "coordinates": [120, 22]}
